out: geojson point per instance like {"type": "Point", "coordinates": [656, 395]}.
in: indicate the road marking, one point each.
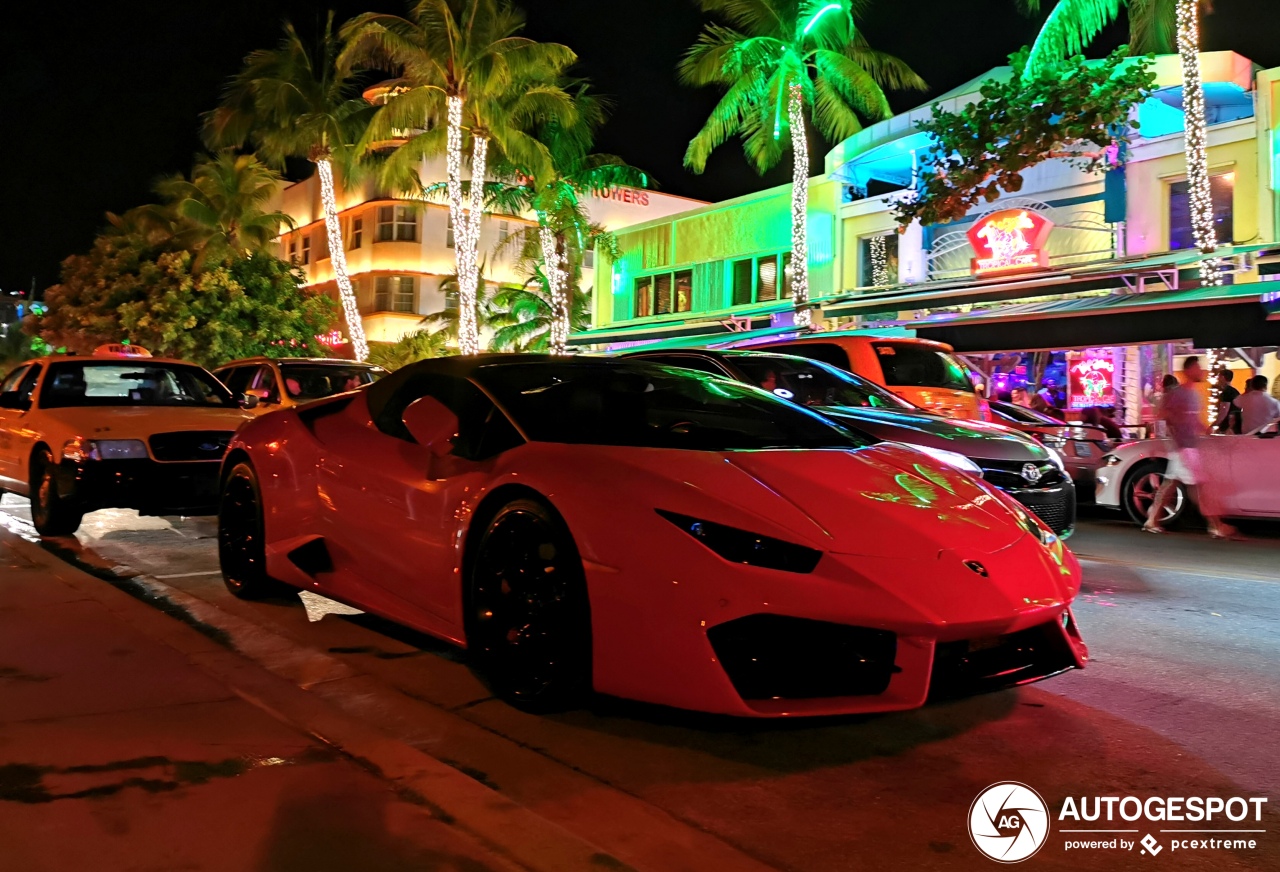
{"type": "Point", "coordinates": [1198, 573]}
{"type": "Point", "coordinates": [190, 574]}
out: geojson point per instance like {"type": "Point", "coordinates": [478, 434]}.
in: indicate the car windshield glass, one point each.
{"type": "Point", "coordinates": [650, 406]}
{"type": "Point", "coordinates": [311, 381]}
{"type": "Point", "coordinates": [810, 383]}
{"type": "Point", "coordinates": [131, 383]}
{"type": "Point", "coordinates": [908, 364]}
{"type": "Point", "coordinates": [1023, 415]}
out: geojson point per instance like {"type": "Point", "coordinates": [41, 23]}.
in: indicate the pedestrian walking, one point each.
{"type": "Point", "coordinates": [1227, 415]}
{"type": "Point", "coordinates": [1181, 410]}
{"type": "Point", "coordinates": [1257, 408]}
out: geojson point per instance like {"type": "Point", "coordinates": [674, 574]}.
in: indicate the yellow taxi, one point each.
{"type": "Point", "coordinates": [114, 429]}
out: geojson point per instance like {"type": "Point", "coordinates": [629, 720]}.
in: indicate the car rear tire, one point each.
{"type": "Point", "coordinates": [1139, 490]}
{"type": "Point", "coordinates": [529, 619]}
{"type": "Point", "coordinates": [242, 551]}
{"type": "Point", "coordinates": [51, 515]}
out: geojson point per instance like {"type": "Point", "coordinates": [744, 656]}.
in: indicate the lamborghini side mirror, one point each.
{"type": "Point", "coordinates": [432, 425]}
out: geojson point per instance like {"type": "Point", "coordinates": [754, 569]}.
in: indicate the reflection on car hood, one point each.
{"type": "Point", "coordinates": [139, 422]}
{"type": "Point", "coordinates": [885, 501]}
{"type": "Point", "coordinates": [977, 439]}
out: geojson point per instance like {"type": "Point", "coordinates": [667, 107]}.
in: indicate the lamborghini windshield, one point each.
{"type": "Point", "coordinates": [649, 406]}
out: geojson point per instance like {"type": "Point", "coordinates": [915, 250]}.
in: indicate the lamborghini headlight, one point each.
{"type": "Point", "coordinates": [743, 546]}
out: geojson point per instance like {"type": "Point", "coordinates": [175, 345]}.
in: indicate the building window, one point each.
{"type": "Point", "coordinates": [786, 276]}
{"type": "Point", "coordinates": [398, 223]}
{"type": "Point", "coordinates": [504, 230]}
{"type": "Point", "coordinates": [448, 231]}
{"type": "Point", "coordinates": [644, 297]}
{"type": "Point", "coordinates": [395, 294]}
{"type": "Point", "coordinates": [1221, 189]}
{"type": "Point", "coordinates": [878, 261]}
{"type": "Point", "coordinates": [684, 290]}
{"type": "Point", "coordinates": [662, 293]}
{"type": "Point", "coordinates": [322, 247]}
{"type": "Point", "coordinates": [357, 233]}
{"type": "Point", "coordinates": [306, 249]}
{"type": "Point", "coordinates": [589, 258]}
{"type": "Point", "coordinates": [766, 279]}
{"type": "Point", "coordinates": [743, 292]}
{"type": "Point", "coordinates": [293, 250]}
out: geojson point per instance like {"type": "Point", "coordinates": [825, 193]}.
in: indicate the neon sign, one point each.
{"type": "Point", "coordinates": [1010, 241]}
{"type": "Point", "coordinates": [1092, 383]}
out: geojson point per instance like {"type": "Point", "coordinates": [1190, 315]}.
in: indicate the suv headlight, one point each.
{"type": "Point", "coordinates": [79, 450]}
{"type": "Point", "coordinates": [950, 458]}
{"type": "Point", "coordinates": [742, 546]}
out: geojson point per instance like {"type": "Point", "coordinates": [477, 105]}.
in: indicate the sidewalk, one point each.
{"type": "Point", "coordinates": [129, 740]}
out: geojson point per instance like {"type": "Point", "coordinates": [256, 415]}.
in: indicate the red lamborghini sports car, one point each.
{"type": "Point", "coordinates": [612, 525]}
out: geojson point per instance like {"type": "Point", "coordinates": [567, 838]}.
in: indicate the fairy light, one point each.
{"type": "Point", "coordinates": [1215, 358]}
{"type": "Point", "coordinates": [879, 261]}
{"type": "Point", "coordinates": [464, 241]}
{"type": "Point", "coordinates": [553, 264]}
{"type": "Point", "coordinates": [799, 207]}
{"type": "Point", "coordinates": [1201, 196]}
{"type": "Point", "coordinates": [338, 258]}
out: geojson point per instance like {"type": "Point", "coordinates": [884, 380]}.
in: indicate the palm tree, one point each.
{"type": "Point", "coordinates": [220, 212]}
{"type": "Point", "coordinates": [776, 58]}
{"type": "Point", "coordinates": [564, 229]}
{"type": "Point", "coordinates": [528, 315]}
{"type": "Point", "coordinates": [1074, 23]}
{"type": "Point", "coordinates": [412, 347]}
{"type": "Point", "coordinates": [463, 62]}
{"type": "Point", "coordinates": [297, 101]}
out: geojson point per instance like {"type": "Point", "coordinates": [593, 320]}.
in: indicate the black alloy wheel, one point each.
{"type": "Point", "coordinates": [1139, 491]}
{"type": "Point", "coordinates": [242, 551]}
{"type": "Point", "coordinates": [50, 513]}
{"type": "Point", "coordinates": [529, 616]}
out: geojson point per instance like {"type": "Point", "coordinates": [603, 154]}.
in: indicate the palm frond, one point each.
{"type": "Point", "coordinates": [1153, 26]}
{"type": "Point", "coordinates": [1070, 27]}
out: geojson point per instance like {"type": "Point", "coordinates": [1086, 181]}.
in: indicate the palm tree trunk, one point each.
{"type": "Point", "coordinates": [466, 265]}
{"type": "Point", "coordinates": [553, 266]}
{"type": "Point", "coordinates": [338, 258]}
{"type": "Point", "coordinates": [1196, 140]}
{"type": "Point", "coordinates": [799, 207]}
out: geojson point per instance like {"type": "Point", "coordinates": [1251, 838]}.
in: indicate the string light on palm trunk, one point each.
{"type": "Point", "coordinates": [1216, 359]}
{"type": "Point", "coordinates": [338, 259]}
{"type": "Point", "coordinates": [879, 261]}
{"type": "Point", "coordinates": [1200, 194]}
{"type": "Point", "coordinates": [557, 280]}
{"type": "Point", "coordinates": [799, 207]}
{"type": "Point", "coordinates": [464, 253]}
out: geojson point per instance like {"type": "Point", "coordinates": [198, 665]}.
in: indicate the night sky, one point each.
{"type": "Point", "coordinates": [99, 100]}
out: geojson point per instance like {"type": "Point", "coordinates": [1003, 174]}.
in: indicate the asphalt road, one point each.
{"type": "Point", "coordinates": [1182, 698]}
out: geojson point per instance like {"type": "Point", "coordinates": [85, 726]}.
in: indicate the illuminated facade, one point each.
{"type": "Point", "coordinates": [399, 250]}
{"type": "Point", "coordinates": [1070, 239]}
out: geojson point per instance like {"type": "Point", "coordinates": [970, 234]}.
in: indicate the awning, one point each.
{"type": "Point", "coordinates": [1211, 317]}
{"type": "Point", "coordinates": [1135, 273]}
{"type": "Point", "coordinates": [652, 332]}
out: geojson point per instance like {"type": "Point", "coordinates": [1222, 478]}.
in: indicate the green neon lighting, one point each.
{"type": "Point", "coordinates": [821, 12]}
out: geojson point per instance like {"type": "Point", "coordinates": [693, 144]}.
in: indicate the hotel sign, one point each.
{"type": "Point", "coordinates": [1010, 241]}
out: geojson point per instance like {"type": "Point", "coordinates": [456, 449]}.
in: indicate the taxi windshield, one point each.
{"type": "Point", "coordinates": [130, 383]}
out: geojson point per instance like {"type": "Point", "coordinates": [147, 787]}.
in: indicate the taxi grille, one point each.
{"type": "Point", "coordinates": [190, 445]}
{"type": "Point", "coordinates": [1008, 474]}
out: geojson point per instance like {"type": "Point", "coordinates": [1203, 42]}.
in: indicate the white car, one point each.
{"type": "Point", "coordinates": [1248, 468]}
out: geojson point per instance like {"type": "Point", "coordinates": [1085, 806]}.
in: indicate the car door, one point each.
{"type": "Point", "coordinates": [1254, 486]}
{"type": "Point", "coordinates": [396, 508]}
{"type": "Point", "coordinates": [10, 422]}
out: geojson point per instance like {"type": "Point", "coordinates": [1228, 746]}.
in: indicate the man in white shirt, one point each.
{"type": "Point", "coordinates": [1257, 407]}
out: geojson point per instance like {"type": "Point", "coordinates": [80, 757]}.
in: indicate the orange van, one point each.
{"type": "Point", "coordinates": [920, 371]}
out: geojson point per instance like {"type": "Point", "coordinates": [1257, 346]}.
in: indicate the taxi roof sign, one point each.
{"type": "Point", "coordinates": [118, 349]}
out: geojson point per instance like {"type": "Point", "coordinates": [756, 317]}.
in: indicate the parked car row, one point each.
{"type": "Point", "coordinates": [746, 533]}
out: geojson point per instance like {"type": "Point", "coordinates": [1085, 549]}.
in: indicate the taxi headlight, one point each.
{"type": "Point", "coordinates": [951, 458]}
{"type": "Point", "coordinates": [1056, 459]}
{"type": "Point", "coordinates": [80, 450]}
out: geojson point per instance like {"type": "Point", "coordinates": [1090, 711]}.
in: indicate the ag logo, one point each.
{"type": "Point", "coordinates": [1008, 822]}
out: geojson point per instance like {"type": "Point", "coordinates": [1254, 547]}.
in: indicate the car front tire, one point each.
{"type": "Point", "coordinates": [242, 551]}
{"type": "Point", "coordinates": [1139, 490]}
{"type": "Point", "coordinates": [50, 513]}
{"type": "Point", "coordinates": [529, 621]}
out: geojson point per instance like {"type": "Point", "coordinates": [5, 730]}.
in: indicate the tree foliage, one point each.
{"type": "Point", "coordinates": [421, 344]}
{"type": "Point", "coordinates": [983, 149]}
{"type": "Point", "coordinates": [126, 289]}
{"type": "Point", "coordinates": [1073, 24]}
{"type": "Point", "coordinates": [769, 46]}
